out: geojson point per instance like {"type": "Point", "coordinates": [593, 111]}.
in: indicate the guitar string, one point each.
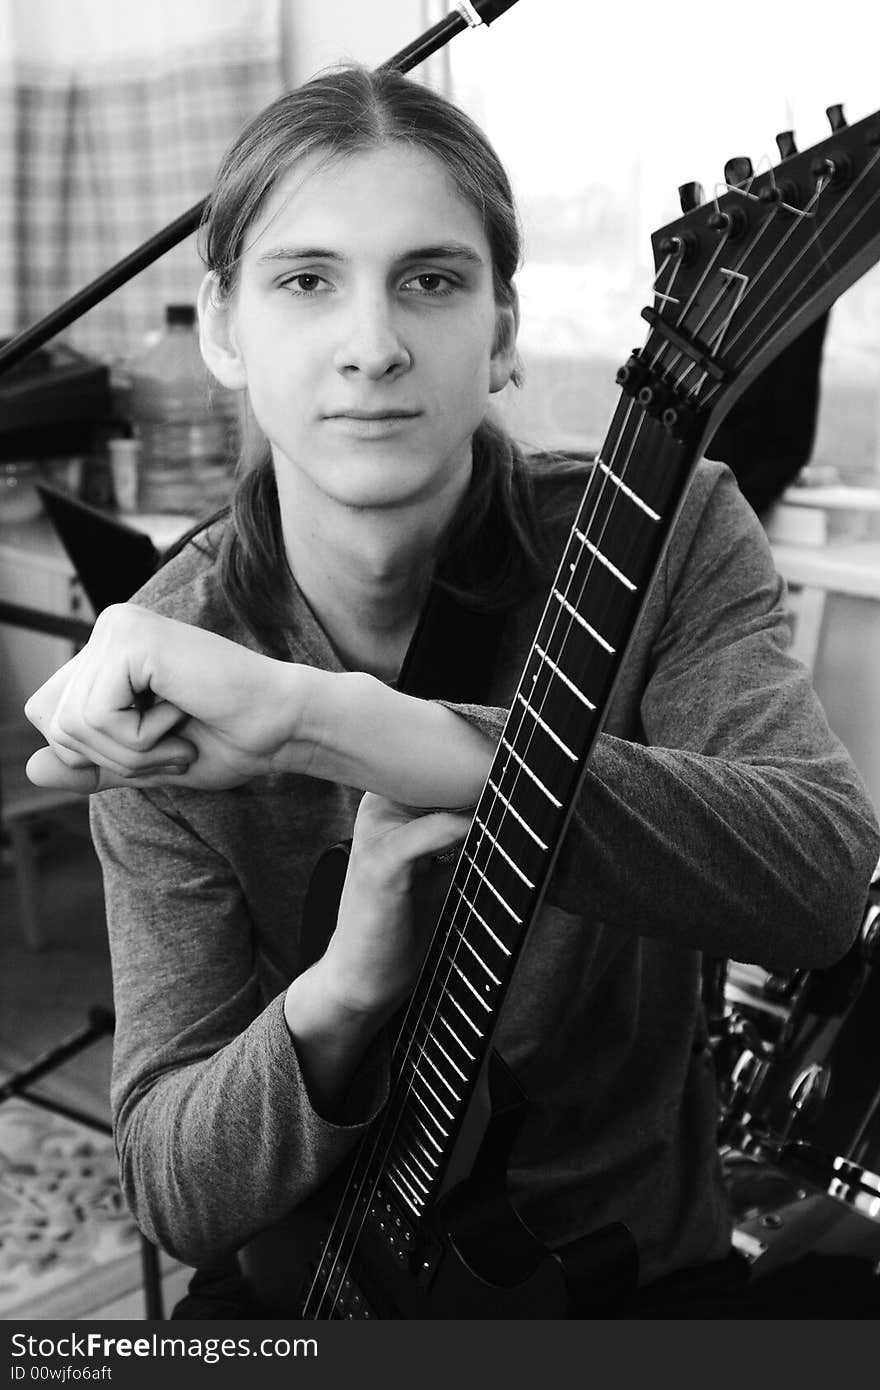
{"type": "Point", "coordinates": [452, 924]}
{"type": "Point", "coordinates": [480, 839]}
{"type": "Point", "coordinates": [425, 1001]}
{"type": "Point", "coordinates": [447, 925]}
{"type": "Point", "coordinates": [752, 280]}
{"type": "Point", "coordinates": [438, 938]}
{"type": "Point", "coordinates": [813, 270]}
{"type": "Point", "coordinates": [789, 271]}
{"type": "Point", "coordinates": [437, 946]}
{"type": "Point", "coordinates": [840, 206]}
{"type": "Point", "coordinates": [800, 215]}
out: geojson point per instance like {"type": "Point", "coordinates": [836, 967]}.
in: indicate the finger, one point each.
{"type": "Point", "coordinates": [125, 748]}
{"type": "Point", "coordinates": [45, 769]}
{"type": "Point", "coordinates": [425, 835]}
{"type": "Point", "coordinates": [132, 728]}
{"type": "Point", "coordinates": [105, 752]}
{"type": "Point", "coordinates": [42, 705]}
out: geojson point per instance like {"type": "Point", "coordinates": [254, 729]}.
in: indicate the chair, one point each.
{"type": "Point", "coordinates": [111, 558]}
{"type": "Point", "coordinates": [24, 807]}
{"type": "Point", "coordinates": [26, 812]}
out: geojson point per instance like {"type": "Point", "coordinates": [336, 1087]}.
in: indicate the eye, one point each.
{"type": "Point", "coordinates": [303, 283]}
{"type": "Point", "coordinates": [431, 283]}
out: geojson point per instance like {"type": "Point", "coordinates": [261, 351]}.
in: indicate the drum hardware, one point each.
{"type": "Point", "coordinates": [809, 1090]}
{"type": "Point", "coordinates": [775, 1219]}
{"type": "Point", "coordinates": [807, 1100]}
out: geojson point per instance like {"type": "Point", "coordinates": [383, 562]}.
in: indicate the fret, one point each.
{"type": "Point", "coordinates": [417, 1120]}
{"type": "Point", "coordinates": [415, 1177]}
{"type": "Point", "coordinates": [475, 992]}
{"type": "Point", "coordinates": [465, 1016]}
{"type": "Point", "coordinates": [448, 982]}
{"type": "Point", "coordinates": [596, 636]}
{"type": "Point", "coordinates": [429, 1158]}
{"type": "Point", "coordinates": [407, 1138]}
{"type": "Point", "coordinates": [418, 1162]}
{"type": "Point", "coordinates": [477, 957]}
{"type": "Point", "coordinates": [430, 1088]}
{"type": "Point", "coordinates": [570, 685]}
{"type": "Point", "coordinates": [449, 1028]}
{"type": "Point", "coordinates": [428, 1111]}
{"type": "Point", "coordinates": [483, 923]}
{"type": "Point", "coordinates": [492, 889]}
{"type": "Point", "coordinates": [603, 560]}
{"type": "Point", "coordinates": [433, 1065]}
{"type": "Point", "coordinates": [503, 852]}
{"type": "Point", "coordinates": [547, 730]}
{"type": "Point", "coordinates": [415, 1209]}
{"type": "Point", "coordinates": [528, 771]}
{"type": "Point", "coordinates": [601, 580]}
{"type": "Point", "coordinates": [627, 491]}
{"type": "Point", "coordinates": [438, 1044]}
{"type": "Point", "coordinates": [512, 809]}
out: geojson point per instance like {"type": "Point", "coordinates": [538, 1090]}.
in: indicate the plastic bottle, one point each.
{"type": "Point", "coordinates": [184, 420]}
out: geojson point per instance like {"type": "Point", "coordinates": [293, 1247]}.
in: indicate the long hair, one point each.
{"type": "Point", "coordinates": [337, 114]}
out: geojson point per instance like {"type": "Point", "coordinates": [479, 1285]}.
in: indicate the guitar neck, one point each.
{"type": "Point", "coordinates": [613, 551]}
{"type": "Point", "coordinates": [736, 279]}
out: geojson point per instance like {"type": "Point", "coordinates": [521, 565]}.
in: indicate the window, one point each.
{"type": "Point", "coordinates": [600, 113]}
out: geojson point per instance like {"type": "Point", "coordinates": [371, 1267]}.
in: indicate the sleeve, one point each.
{"type": "Point", "coordinates": [740, 827]}
{"type": "Point", "coordinates": [215, 1133]}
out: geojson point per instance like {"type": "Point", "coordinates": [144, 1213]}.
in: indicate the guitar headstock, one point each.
{"type": "Point", "coordinates": [741, 274]}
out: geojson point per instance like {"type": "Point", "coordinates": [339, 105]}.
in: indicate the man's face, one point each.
{"type": "Point", "coordinates": [365, 323]}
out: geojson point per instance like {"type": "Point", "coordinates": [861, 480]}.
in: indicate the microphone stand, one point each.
{"type": "Point", "coordinates": [468, 14]}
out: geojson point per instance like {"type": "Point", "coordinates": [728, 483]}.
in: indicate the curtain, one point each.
{"type": "Point", "coordinates": [113, 117]}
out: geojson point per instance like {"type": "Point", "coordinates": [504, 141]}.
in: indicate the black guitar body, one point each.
{"type": "Point", "coordinates": [472, 1257]}
{"type": "Point", "coordinates": [352, 1253]}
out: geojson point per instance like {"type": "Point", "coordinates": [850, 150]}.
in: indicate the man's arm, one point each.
{"type": "Point", "coordinates": [152, 701]}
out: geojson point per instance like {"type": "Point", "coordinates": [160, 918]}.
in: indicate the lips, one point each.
{"type": "Point", "coordinates": [372, 415]}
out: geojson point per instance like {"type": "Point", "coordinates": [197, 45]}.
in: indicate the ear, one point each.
{"type": "Point", "coordinates": [217, 335]}
{"type": "Point", "coordinates": [503, 361]}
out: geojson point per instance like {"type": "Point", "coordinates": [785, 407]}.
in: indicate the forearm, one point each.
{"type": "Point", "coordinates": [223, 715]}
{"type": "Point", "coordinates": [757, 862]}
{"type": "Point", "coordinates": [213, 1151]}
{"type": "Point", "coordinates": [360, 733]}
{"type": "Point", "coordinates": [330, 1038]}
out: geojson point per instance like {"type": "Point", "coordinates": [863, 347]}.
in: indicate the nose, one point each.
{"type": "Point", "coordinates": [372, 343]}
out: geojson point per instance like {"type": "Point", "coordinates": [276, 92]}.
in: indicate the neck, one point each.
{"type": "Point", "coordinates": [364, 571]}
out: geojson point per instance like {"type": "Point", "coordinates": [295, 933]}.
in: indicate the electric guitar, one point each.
{"type": "Point", "coordinates": [417, 1224]}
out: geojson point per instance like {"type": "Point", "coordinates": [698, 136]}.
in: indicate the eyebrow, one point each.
{"type": "Point", "coordinates": [445, 251]}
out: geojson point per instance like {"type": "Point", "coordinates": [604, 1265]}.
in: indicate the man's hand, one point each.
{"type": "Point", "coordinates": [336, 1007]}
{"type": "Point", "coordinates": [150, 700]}
{"type": "Point", "coordinates": [374, 953]}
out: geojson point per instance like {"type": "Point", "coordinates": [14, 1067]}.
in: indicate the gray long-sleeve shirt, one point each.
{"type": "Point", "coordinates": [719, 814]}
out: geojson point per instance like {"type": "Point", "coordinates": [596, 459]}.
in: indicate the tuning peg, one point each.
{"type": "Point", "coordinates": [690, 196]}
{"type": "Point", "coordinates": [836, 118]}
{"type": "Point", "coordinates": [738, 170]}
{"type": "Point", "coordinates": [785, 144]}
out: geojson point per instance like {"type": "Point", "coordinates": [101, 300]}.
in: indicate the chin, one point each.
{"type": "Point", "coordinates": [387, 482]}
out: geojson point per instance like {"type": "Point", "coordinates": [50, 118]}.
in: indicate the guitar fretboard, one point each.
{"type": "Point", "coordinates": [561, 701]}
